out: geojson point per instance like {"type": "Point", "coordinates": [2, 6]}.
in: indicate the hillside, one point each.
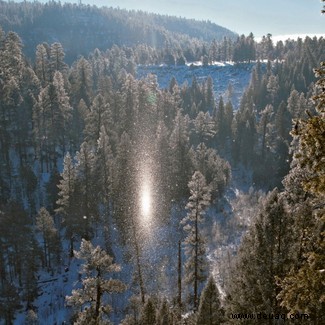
{"type": "Point", "coordinates": [82, 28]}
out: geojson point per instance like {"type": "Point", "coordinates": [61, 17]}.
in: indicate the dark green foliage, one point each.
{"type": "Point", "coordinates": [9, 302]}
{"type": "Point", "coordinates": [52, 190]}
{"type": "Point", "coordinates": [210, 311]}
{"type": "Point", "coordinates": [148, 315]}
{"type": "Point", "coordinates": [264, 256]}
{"type": "Point", "coordinates": [164, 315]}
{"type": "Point", "coordinates": [244, 49]}
{"type": "Point", "coordinates": [16, 243]}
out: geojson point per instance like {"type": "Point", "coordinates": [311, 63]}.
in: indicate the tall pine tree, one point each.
{"type": "Point", "coordinates": [196, 264]}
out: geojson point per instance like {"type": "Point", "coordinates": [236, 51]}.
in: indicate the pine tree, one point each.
{"type": "Point", "coordinates": [103, 175]}
{"type": "Point", "coordinates": [65, 110]}
{"type": "Point", "coordinates": [273, 88]}
{"type": "Point", "coordinates": [163, 316]}
{"type": "Point", "coordinates": [221, 125]}
{"type": "Point", "coordinates": [82, 81]}
{"type": "Point", "coordinates": [210, 312]}
{"type": "Point", "coordinates": [11, 73]}
{"type": "Point", "coordinates": [148, 315]}
{"type": "Point", "coordinates": [42, 64]}
{"type": "Point", "coordinates": [31, 318]}
{"type": "Point", "coordinates": [263, 257]}
{"type": "Point", "coordinates": [204, 127]}
{"type": "Point", "coordinates": [303, 287]}
{"type": "Point", "coordinates": [86, 186]}
{"type": "Point", "coordinates": [264, 128]}
{"type": "Point", "coordinates": [294, 104]}
{"type": "Point", "coordinates": [244, 130]}
{"type": "Point", "coordinates": [215, 170]}
{"type": "Point", "coordinates": [179, 146]}
{"type": "Point", "coordinates": [9, 302]}
{"type": "Point", "coordinates": [45, 223]}
{"type": "Point", "coordinates": [123, 179]}
{"type": "Point", "coordinates": [17, 237]}
{"type": "Point", "coordinates": [57, 59]}
{"type": "Point", "coordinates": [104, 162]}
{"type": "Point", "coordinates": [52, 114]}
{"type": "Point", "coordinates": [98, 116]}
{"type": "Point", "coordinates": [196, 264]}
{"type": "Point", "coordinates": [67, 200]}
{"type": "Point", "coordinates": [92, 298]}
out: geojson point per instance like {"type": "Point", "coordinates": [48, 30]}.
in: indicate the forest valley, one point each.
{"type": "Point", "coordinates": [118, 189]}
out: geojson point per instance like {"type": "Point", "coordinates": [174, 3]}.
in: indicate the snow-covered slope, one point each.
{"type": "Point", "coordinates": [222, 74]}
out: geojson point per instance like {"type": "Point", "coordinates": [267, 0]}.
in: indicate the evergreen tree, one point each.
{"type": "Point", "coordinates": [303, 287]}
{"type": "Point", "coordinates": [148, 315]}
{"type": "Point", "coordinates": [92, 298]}
{"type": "Point", "coordinates": [244, 130]}
{"type": "Point", "coordinates": [9, 302]}
{"type": "Point", "coordinates": [57, 59]}
{"type": "Point", "coordinates": [67, 200]}
{"type": "Point", "coordinates": [294, 103]}
{"type": "Point", "coordinates": [215, 170]}
{"type": "Point", "coordinates": [11, 73]}
{"type": "Point", "coordinates": [163, 316]}
{"type": "Point", "coordinates": [52, 114]}
{"type": "Point", "coordinates": [264, 128]}
{"type": "Point", "coordinates": [204, 127]}
{"type": "Point", "coordinates": [81, 81]}
{"type": "Point", "coordinates": [42, 64]}
{"type": "Point", "coordinates": [179, 146]}
{"type": "Point", "coordinates": [264, 256]}
{"type": "Point", "coordinates": [86, 187]}
{"type": "Point", "coordinates": [210, 311]}
{"type": "Point", "coordinates": [98, 116]}
{"type": "Point", "coordinates": [45, 223]}
{"type": "Point", "coordinates": [31, 318]}
{"type": "Point", "coordinates": [104, 162]}
{"type": "Point", "coordinates": [221, 124]}
{"type": "Point", "coordinates": [196, 264]}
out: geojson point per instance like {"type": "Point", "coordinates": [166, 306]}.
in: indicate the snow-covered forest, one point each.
{"type": "Point", "coordinates": [180, 181]}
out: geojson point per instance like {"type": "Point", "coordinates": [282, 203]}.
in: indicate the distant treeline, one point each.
{"type": "Point", "coordinates": [82, 28]}
{"type": "Point", "coordinates": [147, 38]}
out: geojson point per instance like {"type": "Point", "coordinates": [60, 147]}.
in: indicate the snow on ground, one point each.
{"type": "Point", "coordinates": [159, 257]}
{"type": "Point", "coordinates": [160, 247]}
{"type": "Point", "coordinates": [222, 74]}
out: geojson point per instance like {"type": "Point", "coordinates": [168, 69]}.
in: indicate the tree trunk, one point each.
{"type": "Point", "coordinates": [138, 262]}
{"type": "Point", "coordinates": [196, 262]}
{"type": "Point", "coordinates": [98, 296]}
{"type": "Point", "coordinates": [179, 298]}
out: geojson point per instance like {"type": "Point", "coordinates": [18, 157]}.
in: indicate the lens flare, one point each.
{"type": "Point", "coordinates": [146, 201]}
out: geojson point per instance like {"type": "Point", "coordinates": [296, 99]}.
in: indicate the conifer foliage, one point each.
{"type": "Point", "coordinates": [92, 298]}
{"type": "Point", "coordinates": [304, 286]}
{"type": "Point", "coordinates": [210, 311]}
{"type": "Point", "coordinates": [196, 264]}
{"type": "Point", "coordinates": [99, 132]}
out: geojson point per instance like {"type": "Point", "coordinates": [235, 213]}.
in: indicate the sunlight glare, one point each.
{"type": "Point", "coordinates": [145, 201]}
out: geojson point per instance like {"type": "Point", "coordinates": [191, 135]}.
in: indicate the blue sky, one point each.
{"type": "Point", "coordinates": [278, 17]}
